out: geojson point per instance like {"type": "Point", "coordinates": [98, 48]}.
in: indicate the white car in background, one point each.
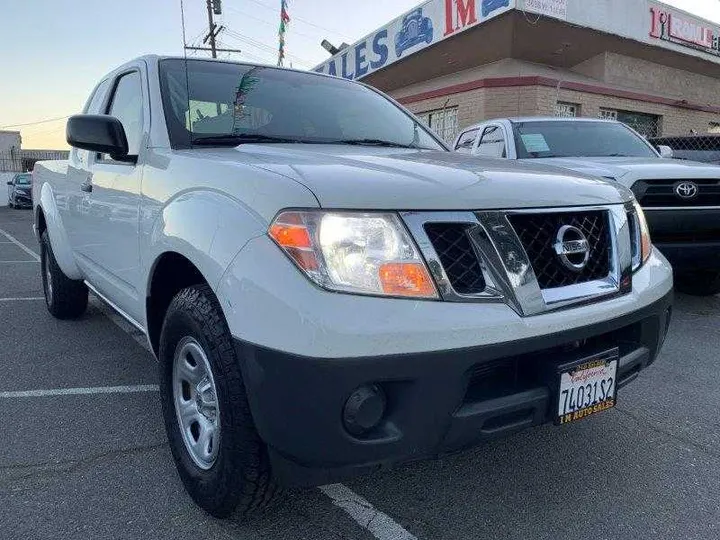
{"type": "Point", "coordinates": [681, 198]}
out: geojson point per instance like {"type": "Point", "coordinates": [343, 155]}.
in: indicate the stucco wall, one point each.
{"type": "Point", "coordinates": [654, 78]}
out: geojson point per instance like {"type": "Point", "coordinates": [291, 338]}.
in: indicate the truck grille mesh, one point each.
{"type": "Point", "coordinates": [661, 193]}
{"type": "Point", "coordinates": [537, 232]}
{"type": "Point", "coordinates": [452, 244]}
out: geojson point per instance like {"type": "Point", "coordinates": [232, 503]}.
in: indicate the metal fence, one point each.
{"type": "Point", "coordinates": [16, 160]}
{"type": "Point", "coordinates": [704, 148]}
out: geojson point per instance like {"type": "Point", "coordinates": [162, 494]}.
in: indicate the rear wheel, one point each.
{"type": "Point", "coordinates": [701, 283]}
{"type": "Point", "coordinates": [219, 455]}
{"type": "Point", "coordinates": [65, 298]}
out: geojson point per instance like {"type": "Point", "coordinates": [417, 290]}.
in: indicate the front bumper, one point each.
{"type": "Point", "coordinates": [689, 238]}
{"type": "Point", "coordinates": [437, 402]}
{"type": "Point", "coordinates": [20, 199]}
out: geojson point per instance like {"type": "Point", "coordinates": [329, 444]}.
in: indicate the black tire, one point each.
{"type": "Point", "coordinates": [239, 482]}
{"type": "Point", "coordinates": [10, 204]}
{"type": "Point", "coordinates": [700, 283]}
{"type": "Point", "coordinates": [65, 298]}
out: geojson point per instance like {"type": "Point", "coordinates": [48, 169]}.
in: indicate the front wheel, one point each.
{"type": "Point", "coordinates": [10, 203]}
{"type": "Point", "coordinates": [218, 453]}
{"type": "Point", "coordinates": [701, 283]}
{"type": "Point", "coordinates": [65, 298]}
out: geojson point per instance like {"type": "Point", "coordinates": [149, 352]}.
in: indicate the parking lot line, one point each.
{"type": "Point", "coordinates": [20, 245]}
{"type": "Point", "coordinates": [21, 299]}
{"type": "Point", "coordinates": [134, 389]}
{"type": "Point", "coordinates": [380, 525]}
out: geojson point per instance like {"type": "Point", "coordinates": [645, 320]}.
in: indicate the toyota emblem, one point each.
{"type": "Point", "coordinates": [572, 248]}
{"type": "Point", "coordinates": [686, 190]}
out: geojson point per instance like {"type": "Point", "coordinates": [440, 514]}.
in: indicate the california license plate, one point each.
{"type": "Point", "coordinates": [588, 387]}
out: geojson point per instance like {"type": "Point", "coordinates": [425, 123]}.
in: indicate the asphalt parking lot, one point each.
{"type": "Point", "coordinates": [84, 454]}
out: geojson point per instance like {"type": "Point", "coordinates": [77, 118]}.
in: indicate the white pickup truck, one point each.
{"type": "Point", "coordinates": [329, 289]}
{"type": "Point", "coordinates": [681, 199]}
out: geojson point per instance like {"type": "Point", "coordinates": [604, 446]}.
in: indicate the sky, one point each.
{"type": "Point", "coordinates": [55, 51]}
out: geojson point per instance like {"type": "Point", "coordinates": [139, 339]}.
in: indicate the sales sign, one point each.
{"type": "Point", "coordinates": [683, 30]}
{"type": "Point", "coordinates": [427, 24]}
{"type": "Point", "coordinates": [551, 8]}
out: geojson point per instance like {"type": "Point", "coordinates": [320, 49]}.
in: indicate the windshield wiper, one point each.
{"type": "Point", "coordinates": [241, 138]}
{"type": "Point", "coordinates": [372, 142]}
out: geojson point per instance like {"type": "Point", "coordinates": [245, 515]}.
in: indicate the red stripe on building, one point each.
{"type": "Point", "coordinates": [507, 82]}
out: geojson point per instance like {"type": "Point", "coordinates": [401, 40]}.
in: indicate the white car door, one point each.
{"type": "Point", "coordinates": [69, 195]}
{"type": "Point", "coordinates": [492, 142]}
{"type": "Point", "coordinates": [108, 239]}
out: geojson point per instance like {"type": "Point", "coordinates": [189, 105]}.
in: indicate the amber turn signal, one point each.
{"type": "Point", "coordinates": [406, 279]}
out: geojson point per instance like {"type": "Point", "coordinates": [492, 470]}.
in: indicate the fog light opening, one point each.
{"type": "Point", "coordinates": [364, 409]}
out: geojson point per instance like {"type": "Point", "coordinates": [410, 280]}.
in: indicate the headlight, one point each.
{"type": "Point", "coordinates": [355, 252]}
{"type": "Point", "coordinates": [641, 242]}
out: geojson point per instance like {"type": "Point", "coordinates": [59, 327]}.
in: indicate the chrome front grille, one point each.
{"type": "Point", "coordinates": [457, 256]}
{"type": "Point", "coordinates": [538, 234]}
{"type": "Point", "coordinates": [515, 257]}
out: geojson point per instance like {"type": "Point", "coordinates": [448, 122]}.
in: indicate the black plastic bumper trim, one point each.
{"type": "Point", "coordinates": [297, 401]}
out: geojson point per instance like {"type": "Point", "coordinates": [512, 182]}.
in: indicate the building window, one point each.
{"type": "Point", "coordinates": [647, 125]}
{"type": "Point", "coordinates": [714, 127]}
{"type": "Point", "coordinates": [567, 110]}
{"type": "Point", "coordinates": [608, 114]}
{"type": "Point", "coordinates": [444, 122]}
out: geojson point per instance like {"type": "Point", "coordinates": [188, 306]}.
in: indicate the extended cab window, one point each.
{"type": "Point", "coordinates": [226, 104]}
{"type": "Point", "coordinates": [466, 141]}
{"type": "Point", "coordinates": [127, 106]}
{"type": "Point", "coordinates": [492, 143]}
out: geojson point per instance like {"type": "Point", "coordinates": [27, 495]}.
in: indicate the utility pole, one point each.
{"type": "Point", "coordinates": [214, 7]}
{"type": "Point", "coordinates": [211, 28]}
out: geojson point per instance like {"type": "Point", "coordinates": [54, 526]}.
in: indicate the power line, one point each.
{"type": "Point", "coordinates": [294, 32]}
{"type": "Point", "coordinates": [296, 18]}
{"type": "Point", "coordinates": [36, 122]}
{"type": "Point", "coordinates": [259, 45]}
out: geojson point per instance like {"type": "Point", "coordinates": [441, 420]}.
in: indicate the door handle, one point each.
{"type": "Point", "coordinates": [86, 187]}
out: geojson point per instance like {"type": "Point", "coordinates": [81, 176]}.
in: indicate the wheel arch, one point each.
{"type": "Point", "coordinates": [48, 216]}
{"type": "Point", "coordinates": [171, 272]}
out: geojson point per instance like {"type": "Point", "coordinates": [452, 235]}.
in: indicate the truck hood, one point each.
{"type": "Point", "coordinates": [634, 168]}
{"type": "Point", "coordinates": [406, 179]}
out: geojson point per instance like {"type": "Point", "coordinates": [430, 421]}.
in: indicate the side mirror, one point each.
{"type": "Point", "coordinates": [10, 183]}
{"type": "Point", "coordinates": [98, 133]}
{"type": "Point", "coordinates": [666, 151]}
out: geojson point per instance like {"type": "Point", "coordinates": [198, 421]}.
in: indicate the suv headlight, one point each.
{"type": "Point", "coordinates": [355, 252]}
{"type": "Point", "coordinates": [640, 232]}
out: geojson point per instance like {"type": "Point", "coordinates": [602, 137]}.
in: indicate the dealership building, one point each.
{"type": "Point", "coordinates": [458, 62]}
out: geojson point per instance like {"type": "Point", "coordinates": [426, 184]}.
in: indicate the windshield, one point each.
{"type": "Point", "coordinates": [23, 180]}
{"type": "Point", "coordinates": [227, 104]}
{"type": "Point", "coordinates": [577, 139]}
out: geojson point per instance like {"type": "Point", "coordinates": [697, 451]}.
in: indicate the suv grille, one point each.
{"type": "Point", "coordinates": [452, 244]}
{"type": "Point", "coordinates": [658, 193]}
{"type": "Point", "coordinates": [538, 232]}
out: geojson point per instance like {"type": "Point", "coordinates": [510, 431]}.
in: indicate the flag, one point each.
{"type": "Point", "coordinates": [284, 21]}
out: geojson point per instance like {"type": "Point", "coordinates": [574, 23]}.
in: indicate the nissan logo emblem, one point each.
{"type": "Point", "coordinates": [686, 190]}
{"type": "Point", "coordinates": [572, 248]}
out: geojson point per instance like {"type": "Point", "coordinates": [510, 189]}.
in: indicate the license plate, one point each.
{"type": "Point", "coordinates": [587, 387]}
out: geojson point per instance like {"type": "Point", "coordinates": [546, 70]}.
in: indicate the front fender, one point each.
{"type": "Point", "coordinates": [57, 233]}
{"type": "Point", "coordinates": [206, 227]}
